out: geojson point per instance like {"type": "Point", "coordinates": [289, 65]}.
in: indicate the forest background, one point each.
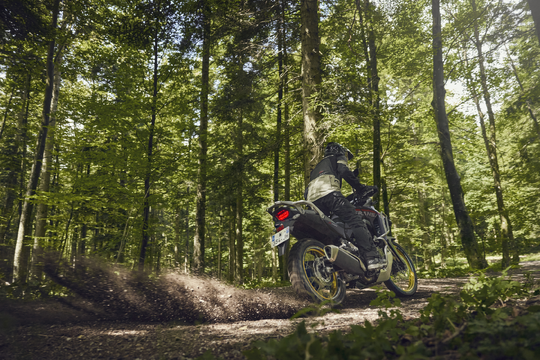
{"type": "Point", "coordinates": [155, 134]}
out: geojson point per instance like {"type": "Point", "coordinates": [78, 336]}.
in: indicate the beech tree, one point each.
{"type": "Point", "coordinates": [198, 242]}
{"type": "Point", "coordinates": [311, 80]}
{"type": "Point", "coordinates": [19, 267]}
{"type": "Point", "coordinates": [178, 123]}
{"type": "Point", "coordinates": [466, 226]}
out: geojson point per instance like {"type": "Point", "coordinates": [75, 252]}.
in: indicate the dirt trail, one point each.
{"type": "Point", "coordinates": [48, 330]}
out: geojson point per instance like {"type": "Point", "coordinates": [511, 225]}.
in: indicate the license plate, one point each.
{"type": "Point", "coordinates": [280, 237]}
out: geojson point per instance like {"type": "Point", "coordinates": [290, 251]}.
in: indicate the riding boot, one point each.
{"type": "Point", "coordinates": [367, 248]}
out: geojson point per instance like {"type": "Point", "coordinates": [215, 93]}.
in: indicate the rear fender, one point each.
{"type": "Point", "coordinates": [282, 247]}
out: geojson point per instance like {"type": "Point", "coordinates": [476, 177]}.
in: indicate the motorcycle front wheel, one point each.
{"type": "Point", "coordinates": [403, 280]}
{"type": "Point", "coordinates": [310, 276]}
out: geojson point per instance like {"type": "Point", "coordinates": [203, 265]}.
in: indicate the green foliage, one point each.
{"type": "Point", "coordinates": [483, 291]}
{"type": "Point", "coordinates": [106, 103]}
{"type": "Point", "coordinates": [31, 290]}
{"type": "Point", "coordinates": [387, 299]}
{"type": "Point", "coordinates": [439, 272]}
{"type": "Point", "coordinates": [316, 309]}
{"type": "Point", "coordinates": [476, 324]}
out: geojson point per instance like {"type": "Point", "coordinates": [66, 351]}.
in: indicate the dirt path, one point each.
{"type": "Point", "coordinates": [53, 331]}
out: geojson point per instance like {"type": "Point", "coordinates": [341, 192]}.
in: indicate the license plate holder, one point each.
{"type": "Point", "coordinates": [280, 237]}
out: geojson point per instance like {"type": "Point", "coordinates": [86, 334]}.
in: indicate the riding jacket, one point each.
{"type": "Point", "coordinates": [327, 176]}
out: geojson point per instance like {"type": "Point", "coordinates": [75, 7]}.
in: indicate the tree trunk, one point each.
{"type": "Point", "coordinates": [186, 245]}
{"type": "Point", "coordinates": [527, 101]}
{"type": "Point", "coordinates": [239, 202]}
{"type": "Point", "coordinates": [274, 266]}
{"type": "Point", "coordinates": [232, 250]}
{"type": "Point", "coordinates": [286, 139]}
{"type": "Point", "coordinates": [507, 235]}
{"type": "Point", "coordinates": [280, 33]}
{"type": "Point", "coordinates": [177, 238]}
{"type": "Point", "coordinates": [423, 208]}
{"type": "Point", "coordinates": [220, 250]}
{"type": "Point", "coordinates": [6, 113]}
{"type": "Point", "coordinates": [15, 169]}
{"type": "Point", "coordinates": [465, 224]}
{"type": "Point", "coordinates": [278, 120]}
{"type": "Point", "coordinates": [44, 184]}
{"type": "Point", "coordinates": [26, 213]}
{"type": "Point", "coordinates": [534, 5]}
{"type": "Point", "coordinates": [311, 80]}
{"type": "Point", "coordinates": [149, 161]}
{"type": "Point", "coordinates": [373, 84]}
{"type": "Point", "coordinates": [198, 241]}
{"type": "Point", "coordinates": [284, 83]}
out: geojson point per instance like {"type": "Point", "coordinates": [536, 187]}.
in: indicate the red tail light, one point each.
{"type": "Point", "coordinates": [282, 214]}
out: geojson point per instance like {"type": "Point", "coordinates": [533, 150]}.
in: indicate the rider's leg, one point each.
{"type": "Point", "coordinates": [363, 239]}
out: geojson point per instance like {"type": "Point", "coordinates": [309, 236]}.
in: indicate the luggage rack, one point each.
{"type": "Point", "coordinates": [297, 206]}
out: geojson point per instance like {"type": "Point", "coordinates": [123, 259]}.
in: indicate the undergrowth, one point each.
{"type": "Point", "coordinates": [437, 271]}
{"type": "Point", "coordinates": [490, 318]}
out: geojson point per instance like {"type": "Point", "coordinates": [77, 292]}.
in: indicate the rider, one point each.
{"type": "Point", "coordinates": [324, 190]}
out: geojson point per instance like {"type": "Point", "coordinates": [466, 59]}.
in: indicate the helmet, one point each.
{"type": "Point", "coordinates": [334, 148]}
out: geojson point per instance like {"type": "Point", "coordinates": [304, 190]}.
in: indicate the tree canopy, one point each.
{"type": "Point", "coordinates": [173, 125]}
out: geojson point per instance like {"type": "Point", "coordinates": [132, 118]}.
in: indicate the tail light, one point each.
{"type": "Point", "coordinates": [281, 227]}
{"type": "Point", "coordinates": [282, 214]}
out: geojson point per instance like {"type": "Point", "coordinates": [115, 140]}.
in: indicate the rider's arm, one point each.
{"type": "Point", "coordinates": [348, 176]}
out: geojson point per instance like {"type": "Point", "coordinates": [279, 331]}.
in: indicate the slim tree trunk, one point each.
{"type": "Point", "coordinates": [15, 169]}
{"type": "Point", "coordinates": [6, 114]}
{"type": "Point", "coordinates": [285, 86]}
{"type": "Point", "coordinates": [465, 224]}
{"type": "Point", "coordinates": [286, 139]}
{"type": "Point", "coordinates": [311, 80]}
{"type": "Point", "coordinates": [25, 218]}
{"type": "Point", "coordinates": [220, 249]}
{"type": "Point", "coordinates": [507, 235]}
{"type": "Point", "coordinates": [278, 120]}
{"type": "Point", "coordinates": [149, 162]}
{"type": "Point", "coordinates": [232, 249]}
{"type": "Point", "coordinates": [186, 245]}
{"type": "Point", "coordinates": [534, 5]}
{"type": "Point", "coordinates": [279, 142]}
{"type": "Point", "coordinates": [44, 185]}
{"type": "Point", "coordinates": [373, 83]}
{"type": "Point", "coordinates": [424, 226]}
{"type": "Point", "coordinates": [177, 238]}
{"type": "Point", "coordinates": [239, 202]}
{"type": "Point", "coordinates": [527, 101]}
{"type": "Point", "coordinates": [198, 241]}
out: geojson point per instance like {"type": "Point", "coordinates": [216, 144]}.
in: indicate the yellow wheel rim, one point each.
{"type": "Point", "coordinates": [404, 279]}
{"type": "Point", "coordinates": [325, 286]}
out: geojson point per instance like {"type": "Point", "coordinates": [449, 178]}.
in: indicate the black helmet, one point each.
{"type": "Point", "coordinates": [334, 148]}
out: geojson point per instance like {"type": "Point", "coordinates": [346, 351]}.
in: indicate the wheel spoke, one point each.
{"type": "Point", "coordinates": [326, 288]}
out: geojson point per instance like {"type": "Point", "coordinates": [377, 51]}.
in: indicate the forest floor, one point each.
{"type": "Point", "coordinates": [52, 330]}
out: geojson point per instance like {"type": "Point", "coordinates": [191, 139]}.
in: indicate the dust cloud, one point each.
{"type": "Point", "coordinates": [128, 295]}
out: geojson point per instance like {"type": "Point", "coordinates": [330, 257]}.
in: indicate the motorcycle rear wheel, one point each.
{"type": "Point", "coordinates": [403, 280]}
{"type": "Point", "coordinates": [309, 276]}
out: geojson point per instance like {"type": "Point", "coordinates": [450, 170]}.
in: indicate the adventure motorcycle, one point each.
{"type": "Point", "coordinates": [324, 261]}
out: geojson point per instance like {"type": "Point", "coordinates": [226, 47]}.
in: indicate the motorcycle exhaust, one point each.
{"type": "Point", "coordinates": [345, 260]}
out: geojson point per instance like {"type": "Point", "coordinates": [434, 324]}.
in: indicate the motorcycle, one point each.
{"type": "Point", "coordinates": [324, 262]}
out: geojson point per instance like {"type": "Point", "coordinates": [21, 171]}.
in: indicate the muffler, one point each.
{"type": "Point", "coordinates": [345, 260]}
